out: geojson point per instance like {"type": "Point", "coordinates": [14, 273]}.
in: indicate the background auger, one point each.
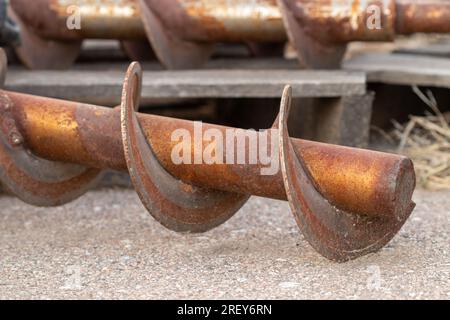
{"type": "Point", "coordinates": [182, 32]}
{"type": "Point", "coordinates": [347, 202]}
{"type": "Point", "coordinates": [9, 32]}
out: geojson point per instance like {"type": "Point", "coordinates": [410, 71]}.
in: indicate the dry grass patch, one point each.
{"type": "Point", "coordinates": [426, 140]}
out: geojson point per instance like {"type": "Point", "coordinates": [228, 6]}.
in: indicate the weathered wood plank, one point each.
{"type": "Point", "coordinates": [402, 69]}
{"type": "Point", "coordinates": [85, 85]}
{"type": "Point", "coordinates": [435, 50]}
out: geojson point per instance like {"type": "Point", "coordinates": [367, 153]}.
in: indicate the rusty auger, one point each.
{"type": "Point", "coordinates": [182, 32]}
{"type": "Point", "coordinates": [347, 202]}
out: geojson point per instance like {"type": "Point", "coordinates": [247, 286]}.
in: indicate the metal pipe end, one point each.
{"type": "Point", "coordinates": [404, 189]}
{"type": "Point", "coordinates": [337, 234]}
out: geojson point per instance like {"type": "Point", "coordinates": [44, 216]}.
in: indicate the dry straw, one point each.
{"type": "Point", "coordinates": [426, 140]}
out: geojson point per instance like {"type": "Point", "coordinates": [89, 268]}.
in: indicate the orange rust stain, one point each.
{"type": "Point", "coordinates": [47, 128]}
{"type": "Point", "coordinates": [96, 8]}
{"type": "Point", "coordinates": [221, 17]}
{"type": "Point", "coordinates": [186, 187]}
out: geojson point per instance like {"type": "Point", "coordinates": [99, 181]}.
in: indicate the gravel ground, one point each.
{"type": "Point", "coordinates": [105, 245]}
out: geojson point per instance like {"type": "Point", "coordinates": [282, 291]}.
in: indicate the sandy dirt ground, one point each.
{"type": "Point", "coordinates": [105, 245]}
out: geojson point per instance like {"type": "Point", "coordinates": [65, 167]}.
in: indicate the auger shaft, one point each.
{"type": "Point", "coordinates": [238, 20]}
{"type": "Point", "coordinates": [258, 20]}
{"type": "Point", "coordinates": [362, 181]}
{"type": "Point", "coordinates": [99, 19]}
{"type": "Point", "coordinates": [428, 16]}
{"type": "Point", "coordinates": [181, 32]}
{"type": "Point", "coordinates": [346, 202]}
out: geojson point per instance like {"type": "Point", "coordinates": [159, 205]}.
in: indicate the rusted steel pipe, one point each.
{"type": "Point", "coordinates": [357, 180]}
{"type": "Point", "coordinates": [53, 151]}
{"type": "Point", "coordinates": [181, 31]}
{"type": "Point", "coordinates": [258, 20]}
{"type": "Point", "coordinates": [100, 19]}
{"type": "Point", "coordinates": [429, 16]}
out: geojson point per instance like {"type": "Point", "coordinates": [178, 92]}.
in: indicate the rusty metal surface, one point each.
{"type": "Point", "coordinates": [340, 21]}
{"type": "Point", "coordinates": [353, 179]}
{"type": "Point", "coordinates": [176, 205]}
{"type": "Point", "coordinates": [337, 234]}
{"type": "Point", "coordinates": [30, 178]}
{"type": "Point", "coordinates": [78, 141]}
{"type": "Point", "coordinates": [99, 19]}
{"type": "Point", "coordinates": [431, 16]}
{"type": "Point", "coordinates": [35, 180]}
{"type": "Point", "coordinates": [36, 52]}
{"type": "Point", "coordinates": [182, 32]}
{"type": "Point", "coordinates": [221, 20]}
{"type": "Point", "coordinates": [48, 43]}
{"type": "Point", "coordinates": [311, 53]}
{"type": "Point", "coordinates": [172, 51]}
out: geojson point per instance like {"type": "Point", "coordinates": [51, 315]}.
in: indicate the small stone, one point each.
{"type": "Point", "coordinates": [16, 139]}
{"type": "Point", "coordinates": [288, 285]}
{"type": "Point", "coordinates": [97, 209]}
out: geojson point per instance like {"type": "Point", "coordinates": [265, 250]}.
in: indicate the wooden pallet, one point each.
{"type": "Point", "coordinates": [105, 81]}
{"type": "Point", "coordinates": [403, 69]}
{"type": "Point", "coordinates": [339, 96]}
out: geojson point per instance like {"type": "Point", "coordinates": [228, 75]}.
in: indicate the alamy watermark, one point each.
{"type": "Point", "coordinates": [229, 146]}
{"type": "Point", "coordinates": [74, 19]}
{"type": "Point", "coordinates": [374, 14]}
